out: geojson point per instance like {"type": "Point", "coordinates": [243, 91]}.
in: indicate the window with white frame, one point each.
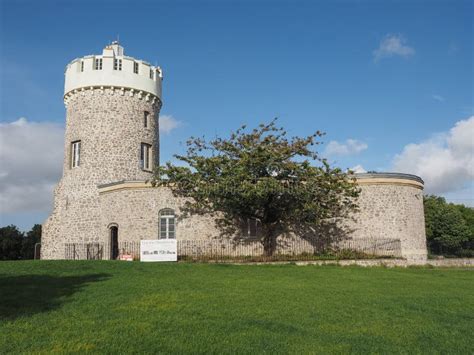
{"type": "Point", "coordinates": [117, 64]}
{"type": "Point", "coordinates": [135, 67]}
{"type": "Point", "coordinates": [151, 73]}
{"type": "Point", "coordinates": [145, 156]}
{"type": "Point", "coordinates": [82, 65]}
{"type": "Point", "coordinates": [75, 154]}
{"type": "Point", "coordinates": [167, 224]}
{"type": "Point", "coordinates": [251, 228]}
{"type": "Point", "coordinates": [97, 63]}
{"type": "Point", "coordinates": [146, 118]}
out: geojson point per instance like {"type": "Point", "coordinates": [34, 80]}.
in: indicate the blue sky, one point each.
{"type": "Point", "coordinates": [393, 78]}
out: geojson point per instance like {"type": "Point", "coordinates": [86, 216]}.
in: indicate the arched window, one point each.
{"type": "Point", "coordinates": [114, 244]}
{"type": "Point", "coordinates": [167, 224]}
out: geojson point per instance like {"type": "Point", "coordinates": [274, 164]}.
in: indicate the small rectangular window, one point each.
{"type": "Point", "coordinates": [251, 228]}
{"type": "Point", "coordinates": [151, 73]}
{"type": "Point", "coordinates": [97, 63]}
{"type": "Point", "coordinates": [82, 65]}
{"type": "Point", "coordinates": [75, 153]}
{"type": "Point", "coordinates": [135, 67]}
{"type": "Point", "coordinates": [145, 156]}
{"type": "Point", "coordinates": [117, 64]}
{"type": "Point", "coordinates": [167, 224]}
{"type": "Point", "coordinates": [146, 117]}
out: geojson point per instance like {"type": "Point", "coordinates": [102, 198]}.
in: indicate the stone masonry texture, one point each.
{"type": "Point", "coordinates": [109, 124]}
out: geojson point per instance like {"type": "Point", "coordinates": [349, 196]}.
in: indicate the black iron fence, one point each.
{"type": "Point", "coordinates": [100, 251]}
{"type": "Point", "coordinates": [251, 251]}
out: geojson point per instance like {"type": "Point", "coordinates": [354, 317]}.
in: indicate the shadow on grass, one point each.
{"type": "Point", "coordinates": [30, 294]}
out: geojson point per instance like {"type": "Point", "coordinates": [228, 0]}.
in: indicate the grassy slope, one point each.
{"type": "Point", "coordinates": [118, 306]}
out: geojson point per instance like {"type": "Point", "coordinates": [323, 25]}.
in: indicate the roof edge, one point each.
{"type": "Point", "coordinates": [386, 175]}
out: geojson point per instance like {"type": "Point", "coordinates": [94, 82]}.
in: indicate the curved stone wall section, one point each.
{"type": "Point", "coordinates": [110, 126]}
{"type": "Point", "coordinates": [391, 206]}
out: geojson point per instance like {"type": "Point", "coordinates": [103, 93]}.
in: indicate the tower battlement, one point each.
{"type": "Point", "coordinates": [112, 69]}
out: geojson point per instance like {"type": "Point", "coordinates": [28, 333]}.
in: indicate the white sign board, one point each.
{"type": "Point", "coordinates": [159, 250]}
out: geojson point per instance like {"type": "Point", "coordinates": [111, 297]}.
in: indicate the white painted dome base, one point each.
{"type": "Point", "coordinates": [113, 69]}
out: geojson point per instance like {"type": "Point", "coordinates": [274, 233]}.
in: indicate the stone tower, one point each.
{"type": "Point", "coordinates": [112, 107]}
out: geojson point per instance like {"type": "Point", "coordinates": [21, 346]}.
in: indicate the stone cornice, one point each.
{"type": "Point", "coordinates": [389, 176]}
{"type": "Point", "coordinates": [390, 179]}
{"type": "Point", "coordinates": [393, 180]}
{"type": "Point", "coordinates": [113, 90]}
{"type": "Point", "coordinates": [123, 185]}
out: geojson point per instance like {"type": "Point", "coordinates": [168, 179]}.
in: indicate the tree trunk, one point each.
{"type": "Point", "coordinates": [269, 241]}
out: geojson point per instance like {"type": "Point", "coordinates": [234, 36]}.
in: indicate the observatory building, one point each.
{"type": "Point", "coordinates": [111, 148]}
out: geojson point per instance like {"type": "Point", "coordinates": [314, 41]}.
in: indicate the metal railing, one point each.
{"type": "Point", "coordinates": [37, 252]}
{"type": "Point", "coordinates": [244, 250]}
{"type": "Point", "coordinates": [99, 251]}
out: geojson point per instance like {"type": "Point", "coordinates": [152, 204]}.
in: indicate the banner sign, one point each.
{"type": "Point", "coordinates": [159, 250]}
{"type": "Point", "coordinates": [126, 257]}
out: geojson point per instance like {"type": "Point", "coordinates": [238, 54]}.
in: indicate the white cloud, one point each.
{"type": "Point", "coordinates": [168, 123]}
{"type": "Point", "coordinates": [393, 45]}
{"type": "Point", "coordinates": [31, 156]}
{"type": "Point", "coordinates": [349, 147]}
{"type": "Point", "coordinates": [438, 98]}
{"type": "Point", "coordinates": [358, 169]}
{"type": "Point", "coordinates": [445, 162]}
{"type": "Point", "coordinates": [463, 196]}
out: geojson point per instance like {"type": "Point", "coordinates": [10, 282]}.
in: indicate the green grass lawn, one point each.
{"type": "Point", "coordinates": [117, 307]}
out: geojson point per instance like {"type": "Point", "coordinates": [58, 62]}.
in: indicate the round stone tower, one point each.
{"type": "Point", "coordinates": [112, 107]}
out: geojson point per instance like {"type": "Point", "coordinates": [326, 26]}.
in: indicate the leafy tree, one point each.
{"type": "Point", "coordinates": [29, 242]}
{"type": "Point", "coordinates": [10, 243]}
{"type": "Point", "coordinates": [15, 245]}
{"type": "Point", "coordinates": [468, 216]}
{"type": "Point", "coordinates": [262, 175]}
{"type": "Point", "coordinates": [446, 230]}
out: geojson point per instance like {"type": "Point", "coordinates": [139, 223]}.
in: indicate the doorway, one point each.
{"type": "Point", "coordinates": [114, 247]}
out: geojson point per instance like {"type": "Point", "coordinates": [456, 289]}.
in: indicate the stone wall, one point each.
{"type": "Point", "coordinates": [454, 262]}
{"type": "Point", "coordinates": [110, 125]}
{"type": "Point", "coordinates": [391, 263]}
{"type": "Point", "coordinates": [388, 210]}
{"type": "Point", "coordinates": [392, 210]}
{"type": "Point", "coordinates": [135, 211]}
